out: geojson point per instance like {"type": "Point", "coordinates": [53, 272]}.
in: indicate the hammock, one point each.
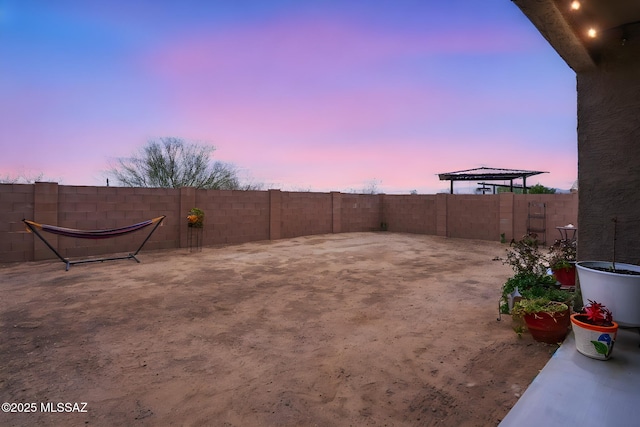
{"type": "Point", "coordinates": [92, 234]}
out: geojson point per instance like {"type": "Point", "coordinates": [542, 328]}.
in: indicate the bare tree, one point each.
{"type": "Point", "coordinates": [174, 163]}
{"type": "Point", "coordinates": [23, 178]}
{"type": "Point", "coordinates": [371, 187]}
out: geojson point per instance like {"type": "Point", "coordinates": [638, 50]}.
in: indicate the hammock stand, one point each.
{"type": "Point", "coordinates": [93, 234]}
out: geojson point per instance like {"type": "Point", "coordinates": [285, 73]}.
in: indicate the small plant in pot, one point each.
{"type": "Point", "coordinates": [595, 331]}
{"type": "Point", "coordinates": [562, 261]}
{"type": "Point", "coordinates": [547, 321]}
{"type": "Point", "coordinates": [524, 256]}
{"type": "Point", "coordinates": [195, 219]}
{"type": "Point", "coordinates": [530, 279]}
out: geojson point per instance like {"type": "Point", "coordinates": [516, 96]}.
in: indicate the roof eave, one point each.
{"type": "Point", "coordinates": [549, 20]}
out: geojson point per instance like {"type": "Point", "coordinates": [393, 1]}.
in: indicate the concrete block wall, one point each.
{"type": "Point", "coordinates": [244, 216]}
{"type": "Point", "coordinates": [91, 208]}
{"type": "Point", "coordinates": [410, 213]}
{"type": "Point", "coordinates": [484, 217]}
{"type": "Point", "coordinates": [336, 212]}
{"type": "Point", "coordinates": [474, 217]}
{"type": "Point", "coordinates": [505, 226]}
{"type": "Point", "coordinates": [306, 213]}
{"type": "Point", "coordinates": [561, 209]}
{"type": "Point", "coordinates": [16, 203]}
{"type": "Point", "coordinates": [232, 216]}
{"type": "Point", "coordinates": [45, 210]}
{"type": "Point", "coordinates": [442, 214]}
{"type": "Point", "coordinates": [361, 212]}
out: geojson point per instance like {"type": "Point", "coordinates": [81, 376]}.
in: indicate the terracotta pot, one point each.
{"type": "Point", "coordinates": [550, 328]}
{"type": "Point", "coordinates": [591, 340]}
{"type": "Point", "coordinates": [566, 276]}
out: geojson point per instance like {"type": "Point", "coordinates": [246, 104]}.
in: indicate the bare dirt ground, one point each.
{"type": "Point", "coordinates": [358, 329]}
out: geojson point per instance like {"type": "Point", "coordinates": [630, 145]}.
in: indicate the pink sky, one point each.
{"type": "Point", "coordinates": [298, 95]}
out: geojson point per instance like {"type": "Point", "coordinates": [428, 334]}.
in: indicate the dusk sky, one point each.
{"type": "Point", "coordinates": [298, 94]}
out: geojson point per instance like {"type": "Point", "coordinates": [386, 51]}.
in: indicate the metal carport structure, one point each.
{"type": "Point", "coordinates": [489, 174]}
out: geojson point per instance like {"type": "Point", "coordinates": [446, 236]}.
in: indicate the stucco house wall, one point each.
{"type": "Point", "coordinates": [609, 154]}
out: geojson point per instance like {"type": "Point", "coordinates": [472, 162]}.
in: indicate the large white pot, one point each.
{"type": "Point", "coordinates": [619, 292]}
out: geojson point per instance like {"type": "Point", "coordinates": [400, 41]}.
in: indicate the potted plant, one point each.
{"type": "Point", "coordinates": [195, 219]}
{"type": "Point", "coordinates": [562, 261]}
{"type": "Point", "coordinates": [617, 285]}
{"type": "Point", "coordinates": [530, 279]}
{"type": "Point", "coordinates": [524, 256]}
{"type": "Point", "coordinates": [594, 330]}
{"type": "Point", "coordinates": [531, 296]}
{"type": "Point", "coordinates": [547, 321]}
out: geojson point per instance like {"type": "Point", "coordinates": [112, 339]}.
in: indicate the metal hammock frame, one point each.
{"type": "Point", "coordinates": [93, 234]}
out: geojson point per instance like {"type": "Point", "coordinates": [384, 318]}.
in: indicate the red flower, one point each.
{"type": "Point", "coordinates": [597, 314]}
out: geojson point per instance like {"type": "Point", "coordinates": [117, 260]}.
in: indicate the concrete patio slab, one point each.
{"type": "Point", "coordinates": [575, 390]}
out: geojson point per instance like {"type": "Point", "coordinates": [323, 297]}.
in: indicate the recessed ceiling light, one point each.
{"type": "Point", "coordinates": [592, 33]}
{"type": "Point", "coordinates": [575, 5]}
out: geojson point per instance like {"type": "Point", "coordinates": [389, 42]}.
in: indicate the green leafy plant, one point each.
{"type": "Point", "coordinates": [530, 274]}
{"type": "Point", "coordinates": [562, 254]}
{"type": "Point", "coordinates": [524, 256]}
{"type": "Point", "coordinates": [538, 305]}
{"type": "Point", "coordinates": [533, 287]}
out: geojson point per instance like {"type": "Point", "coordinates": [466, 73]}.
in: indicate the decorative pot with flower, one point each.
{"type": "Point", "coordinates": [195, 219]}
{"type": "Point", "coordinates": [595, 331]}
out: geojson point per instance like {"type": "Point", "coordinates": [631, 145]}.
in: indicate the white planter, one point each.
{"type": "Point", "coordinates": [619, 292]}
{"type": "Point", "coordinates": [593, 341]}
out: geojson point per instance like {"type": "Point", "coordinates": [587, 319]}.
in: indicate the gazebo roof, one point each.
{"type": "Point", "coordinates": [487, 174]}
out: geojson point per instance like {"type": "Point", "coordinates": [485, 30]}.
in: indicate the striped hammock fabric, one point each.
{"type": "Point", "coordinates": [93, 234]}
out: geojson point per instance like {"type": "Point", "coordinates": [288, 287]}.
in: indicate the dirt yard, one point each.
{"type": "Point", "coordinates": [358, 329]}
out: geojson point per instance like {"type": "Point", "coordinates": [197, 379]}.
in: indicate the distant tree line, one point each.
{"type": "Point", "coordinates": [22, 178]}
{"type": "Point", "coordinates": [534, 189]}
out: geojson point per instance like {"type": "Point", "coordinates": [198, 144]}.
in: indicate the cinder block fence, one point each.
{"type": "Point", "coordinates": [245, 216]}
